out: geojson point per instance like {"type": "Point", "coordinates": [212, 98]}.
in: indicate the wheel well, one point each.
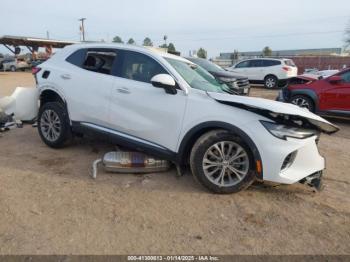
{"type": "Point", "coordinates": [270, 75]}
{"type": "Point", "coordinates": [50, 96]}
{"type": "Point", "coordinates": [192, 136]}
{"type": "Point", "coordinates": [190, 141]}
{"type": "Point", "coordinates": [305, 95]}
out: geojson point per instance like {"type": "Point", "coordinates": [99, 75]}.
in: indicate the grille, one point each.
{"type": "Point", "coordinates": [242, 82]}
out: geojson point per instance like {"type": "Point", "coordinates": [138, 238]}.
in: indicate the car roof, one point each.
{"type": "Point", "coordinates": [265, 58]}
{"type": "Point", "coordinates": [146, 50]}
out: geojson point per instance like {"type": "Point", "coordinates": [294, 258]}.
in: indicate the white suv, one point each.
{"type": "Point", "coordinates": [267, 71]}
{"type": "Point", "coordinates": [167, 106]}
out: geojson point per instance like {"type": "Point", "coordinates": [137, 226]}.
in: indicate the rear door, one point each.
{"type": "Point", "coordinates": [87, 83]}
{"type": "Point", "coordinates": [256, 69]}
{"type": "Point", "coordinates": [336, 96]}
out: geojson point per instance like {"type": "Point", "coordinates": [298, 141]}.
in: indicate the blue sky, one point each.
{"type": "Point", "coordinates": [218, 26]}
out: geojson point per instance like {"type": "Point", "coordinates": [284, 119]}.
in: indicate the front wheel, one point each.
{"type": "Point", "coordinates": [271, 82]}
{"type": "Point", "coordinates": [53, 125]}
{"type": "Point", "coordinates": [222, 162]}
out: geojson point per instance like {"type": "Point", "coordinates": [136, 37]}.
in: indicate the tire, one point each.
{"type": "Point", "coordinates": [304, 102]}
{"type": "Point", "coordinates": [204, 153]}
{"type": "Point", "coordinates": [54, 135]}
{"type": "Point", "coordinates": [13, 69]}
{"type": "Point", "coordinates": [270, 82]}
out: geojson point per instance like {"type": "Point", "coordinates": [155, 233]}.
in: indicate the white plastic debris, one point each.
{"type": "Point", "coordinates": [22, 104]}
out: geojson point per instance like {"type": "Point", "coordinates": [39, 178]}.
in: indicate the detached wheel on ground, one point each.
{"type": "Point", "coordinates": [304, 102]}
{"type": "Point", "coordinates": [222, 162]}
{"type": "Point", "coordinates": [53, 125]}
{"type": "Point", "coordinates": [270, 82]}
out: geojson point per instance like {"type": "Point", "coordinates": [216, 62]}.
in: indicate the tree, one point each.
{"type": "Point", "coordinates": [171, 47]}
{"type": "Point", "coordinates": [201, 53]}
{"type": "Point", "coordinates": [147, 42]}
{"type": "Point", "coordinates": [131, 41]}
{"type": "Point", "coordinates": [267, 51]}
{"type": "Point", "coordinates": [117, 39]}
{"type": "Point", "coordinates": [163, 46]}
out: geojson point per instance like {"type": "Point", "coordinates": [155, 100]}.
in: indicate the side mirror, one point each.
{"type": "Point", "coordinates": [165, 81]}
{"type": "Point", "coordinates": [334, 79]}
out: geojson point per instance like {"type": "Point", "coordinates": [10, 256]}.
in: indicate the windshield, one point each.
{"type": "Point", "coordinates": [209, 66]}
{"type": "Point", "coordinates": [197, 77]}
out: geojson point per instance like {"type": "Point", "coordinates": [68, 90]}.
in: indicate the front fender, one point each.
{"type": "Point", "coordinates": [195, 132]}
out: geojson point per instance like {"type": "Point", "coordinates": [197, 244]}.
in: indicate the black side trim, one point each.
{"type": "Point", "coordinates": [126, 142]}
{"type": "Point", "coordinates": [195, 132]}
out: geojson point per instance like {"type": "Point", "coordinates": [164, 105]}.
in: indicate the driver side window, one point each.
{"type": "Point", "coordinates": [243, 64]}
{"type": "Point", "coordinates": [139, 67]}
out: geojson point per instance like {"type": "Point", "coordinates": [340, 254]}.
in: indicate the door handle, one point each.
{"type": "Point", "coordinates": [66, 76]}
{"type": "Point", "coordinates": [123, 90]}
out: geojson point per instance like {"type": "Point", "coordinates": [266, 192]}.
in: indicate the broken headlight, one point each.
{"type": "Point", "coordinates": [283, 131]}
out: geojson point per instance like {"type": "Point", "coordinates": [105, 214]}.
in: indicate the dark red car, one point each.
{"type": "Point", "coordinates": [328, 96]}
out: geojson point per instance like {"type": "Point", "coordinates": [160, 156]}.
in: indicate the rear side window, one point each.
{"type": "Point", "coordinates": [77, 58]}
{"type": "Point", "coordinates": [243, 64]}
{"type": "Point", "coordinates": [271, 62]}
{"type": "Point", "coordinates": [99, 61]}
{"type": "Point", "coordinates": [96, 60]}
{"type": "Point", "coordinates": [256, 63]}
{"type": "Point", "coordinates": [139, 67]}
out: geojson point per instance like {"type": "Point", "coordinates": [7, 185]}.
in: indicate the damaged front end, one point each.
{"type": "Point", "coordinates": [281, 113]}
{"type": "Point", "coordinates": [314, 180]}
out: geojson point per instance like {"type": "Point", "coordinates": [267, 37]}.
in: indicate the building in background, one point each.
{"type": "Point", "coordinates": [289, 53]}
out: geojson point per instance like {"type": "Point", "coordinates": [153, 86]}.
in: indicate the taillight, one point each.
{"type": "Point", "coordinates": [36, 70]}
{"type": "Point", "coordinates": [286, 68]}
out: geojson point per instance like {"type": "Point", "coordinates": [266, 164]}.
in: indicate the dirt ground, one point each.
{"type": "Point", "coordinates": [50, 205]}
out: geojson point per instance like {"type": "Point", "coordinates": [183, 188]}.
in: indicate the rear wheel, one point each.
{"type": "Point", "coordinates": [270, 82]}
{"type": "Point", "coordinates": [304, 102]}
{"type": "Point", "coordinates": [53, 125]}
{"type": "Point", "coordinates": [13, 69]}
{"type": "Point", "coordinates": [222, 162]}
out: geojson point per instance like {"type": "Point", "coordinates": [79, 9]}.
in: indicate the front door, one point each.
{"type": "Point", "coordinates": [141, 110]}
{"type": "Point", "coordinates": [337, 95]}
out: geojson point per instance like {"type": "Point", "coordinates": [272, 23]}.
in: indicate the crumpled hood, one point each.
{"type": "Point", "coordinates": [277, 111]}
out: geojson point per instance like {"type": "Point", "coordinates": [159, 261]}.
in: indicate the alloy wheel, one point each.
{"type": "Point", "coordinates": [302, 102]}
{"type": "Point", "coordinates": [270, 82]}
{"type": "Point", "coordinates": [225, 163]}
{"type": "Point", "coordinates": [50, 125]}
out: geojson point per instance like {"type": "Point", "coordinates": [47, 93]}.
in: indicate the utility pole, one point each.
{"type": "Point", "coordinates": [47, 35]}
{"type": "Point", "coordinates": [82, 28]}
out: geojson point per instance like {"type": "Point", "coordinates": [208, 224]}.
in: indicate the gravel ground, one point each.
{"type": "Point", "coordinates": [50, 205]}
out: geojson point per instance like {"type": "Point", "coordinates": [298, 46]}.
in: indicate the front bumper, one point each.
{"type": "Point", "coordinates": [287, 161]}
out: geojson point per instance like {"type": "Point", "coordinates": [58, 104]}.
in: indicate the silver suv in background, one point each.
{"type": "Point", "coordinates": [13, 64]}
{"type": "Point", "coordinates": [267, 71]}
